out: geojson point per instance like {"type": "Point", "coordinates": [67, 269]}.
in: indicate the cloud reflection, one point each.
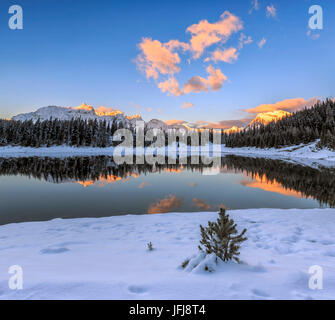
{"type": "Point", "coordinates": [166, 205]}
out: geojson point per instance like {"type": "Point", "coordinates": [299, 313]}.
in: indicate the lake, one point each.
{"type": "Point", "coordinates": [36, 189]}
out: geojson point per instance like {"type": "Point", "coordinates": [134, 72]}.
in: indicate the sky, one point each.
{"type": "Point", "coordinates": [205, 62]}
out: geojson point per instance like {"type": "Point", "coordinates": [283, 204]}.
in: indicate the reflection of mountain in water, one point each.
{"type": "Point", "coordinates": [261, 182]}
{"type": "Point", "coordinates": [269, 175]}
{"type": "Point", "coordinates": [310, 182]}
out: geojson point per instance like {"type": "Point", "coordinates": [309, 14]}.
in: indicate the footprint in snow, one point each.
{"type": "Point", "coordinates": [258, 268]}
{"type": "Point", "coordinates": [298, 230]}
{"type": "Point", "coordinates": [54, 250]}
{"type": "Point", "coordinates": [54, 229]}
{"type": "Point", "coordinates": [327, 242]}
{"type": "Point", "coordinates": [260, 293]}
{"type": "Point", "coordinates": [330, 254]}
{"type": "Point", "coordinates": [136, 289]}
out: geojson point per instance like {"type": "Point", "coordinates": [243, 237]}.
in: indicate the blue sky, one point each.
{"type": "Point", "coordinates": [71, 52]}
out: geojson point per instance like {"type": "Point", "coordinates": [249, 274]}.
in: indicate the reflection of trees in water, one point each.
{"type": "Point", "coordinates": [83, 168]}
{"type": "Point", "coordinates": [310, 182]}
{"type": "Point", "coordinates": [318, 184]}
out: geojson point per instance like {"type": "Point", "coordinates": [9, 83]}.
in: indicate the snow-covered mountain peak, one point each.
{"type": "Point", "coordinates": [267, 117]}
{"type": "Point", "coordinates": [155, 123]}
{"type": "Point", "coordinates": [135, 116]}
{"type": "Point", "coordinates": [233, 129]}
{"type": "Point", "coordinates": [87, 112]}
{"type": "Point", "coordinates": [107, 112]}
{"type": "Point", "coordinates": [84, 111]}
{"type": "Point", "coordinates": [83, 106]}
{"type": "Point", "coordinates": [110, 115]}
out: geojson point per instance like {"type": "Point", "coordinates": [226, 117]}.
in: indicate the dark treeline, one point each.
{"type": "Point", "coordinates": [75, 132]}
{"type": "Point", "coordinates": [303, 126]}
{"type": "Point", "coordinates": [316, 183]}
{"type": "Point", "coordinates": [79, 133]}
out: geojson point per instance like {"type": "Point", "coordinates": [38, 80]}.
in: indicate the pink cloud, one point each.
{"type": "Point", "coordinates": [202, 124]}
{"type": "Point", "coordinates": [216, 78]}
{"type": "Point", "coordinates": [175, 44]}
{"type": "Point", "coordinates": [290, 105]}
{"type": "Point", "coordinates": [157, 57]}
{"type": "Point", "coordinates": [214, 81]}
{"type": "Point", "coordinates": [196, 84]}
{"type": "Point", "coordinates": [223, 124]}
{"type": "Point", "coordinates": [171, 86]}
{"type": "Point", "coordinates": [162, 59]}
{"type": "Point", "coordinates": [205, 34]}
{"type": "Point", "coordinates": [187, 105]}
{"type": "Point", "coordinates": [173, 122]}
{"type": "Point", "coordinates": [255, 6]}
{"type": "Point", "coordinates": [271, 11]}
{"type": "Point", "coordinates": [227, 55]}
{"type": "Point", "coordinates": [243, 40]}
{"type": "Point", "coordinates": [262, 43]}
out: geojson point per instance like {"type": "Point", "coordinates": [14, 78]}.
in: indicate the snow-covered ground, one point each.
{"type": "Point", "coordinates": [107, 258]}
{"type": "Point", "coordinates": [303, 154]}
{"type": "Point", "coordinates": [53, 152]}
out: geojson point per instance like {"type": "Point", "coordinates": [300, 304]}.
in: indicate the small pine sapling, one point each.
{"type": "Point", "coordinates": [221, 238]}
{"type": "Point", "coordinates": [150, 246]}
{"type": "Point", "coordinates": [185, 263]}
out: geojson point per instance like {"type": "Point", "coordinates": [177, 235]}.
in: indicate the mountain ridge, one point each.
{"type": "Point", "coordinates": [87, 112]}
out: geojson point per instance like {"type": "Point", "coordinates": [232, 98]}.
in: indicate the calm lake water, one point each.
{"type": "Point", "coordinates": [35, 189]}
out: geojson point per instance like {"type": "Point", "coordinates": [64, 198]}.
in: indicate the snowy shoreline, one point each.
{"type": "Point", "coordinates": [107, 258]}
{"type": "Point", "coordinates": [307, 155]}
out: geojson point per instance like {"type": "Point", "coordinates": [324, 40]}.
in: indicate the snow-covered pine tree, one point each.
{"type": "Point", "coordinates": [221, 238]}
